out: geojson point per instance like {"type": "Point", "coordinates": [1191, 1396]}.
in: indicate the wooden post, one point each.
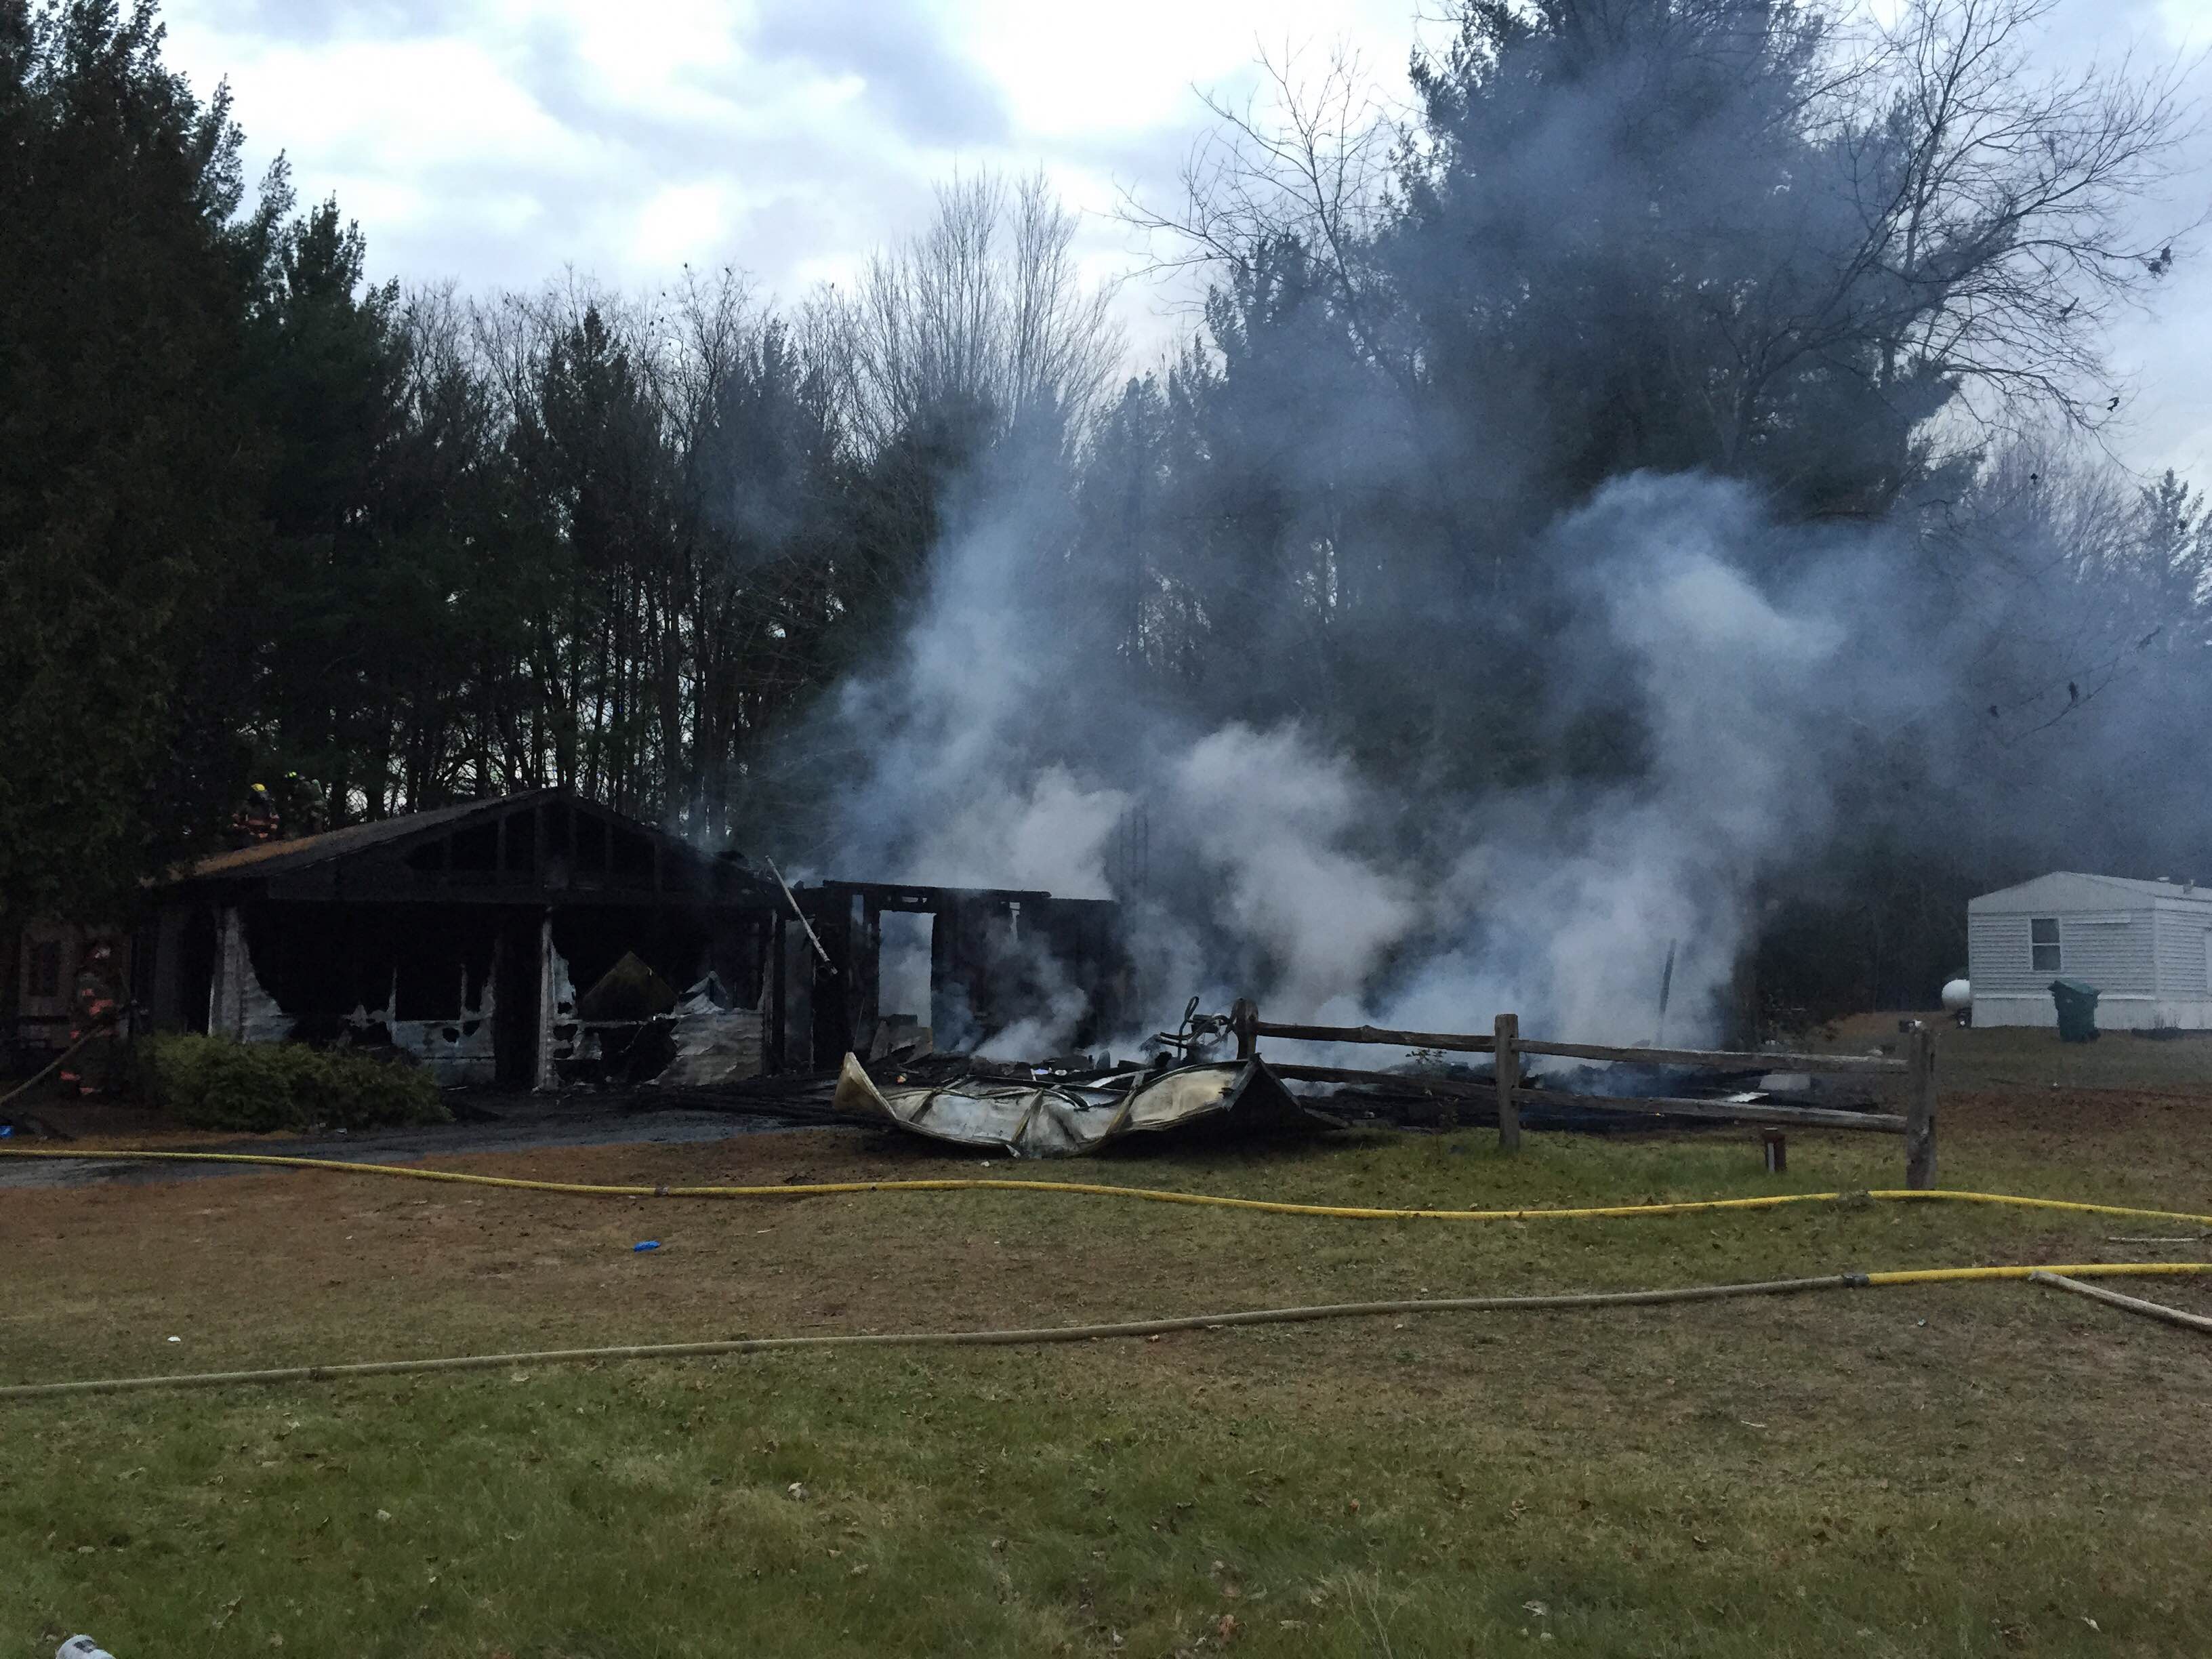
{"type": "Point", "coordinates": [1920, 1109]}
{"type": "Point", "coordinates": [545, 1076]}
{"type": "Point", "coordinates": [227, 987]}
{"type": "Point", "coordinates": [1509, 1079]}
{"type": "Point", "coordinates": [1243, 1015]}
{"type": "Point", "coordinates": [774, 1060]}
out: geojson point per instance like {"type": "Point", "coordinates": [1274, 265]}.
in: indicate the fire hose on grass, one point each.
{"type": "Point", "coordinates": [2067, 1276]}
{"type": "Point", "coordinates": [1103, 1190]}
{"type": "Point", "coordinates": [1035, 1336]}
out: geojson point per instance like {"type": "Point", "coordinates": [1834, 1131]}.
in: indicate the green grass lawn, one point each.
{"type": "Point", "coordinates": [1976, 1469]}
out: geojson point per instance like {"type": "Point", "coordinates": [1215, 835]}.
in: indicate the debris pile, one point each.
{"type": "Point", "coordinates": [1030, 1118]}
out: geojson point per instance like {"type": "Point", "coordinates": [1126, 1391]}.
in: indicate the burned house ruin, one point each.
{"type": "Point", "coordinates": [538, 940]}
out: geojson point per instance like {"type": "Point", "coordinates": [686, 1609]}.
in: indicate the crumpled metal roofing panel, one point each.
{"type": "Point", "coordinates": [1240, 1098]}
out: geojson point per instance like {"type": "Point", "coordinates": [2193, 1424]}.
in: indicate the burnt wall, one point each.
{"type": "Point", "coordinates": [408, 962]}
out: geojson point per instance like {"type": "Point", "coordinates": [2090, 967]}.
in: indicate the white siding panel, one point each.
{"type": "Point", "coordinates": [1997, 956]}
{"type": "Point", "coordinates": [2112, 958]}
{"type": "Point", "coordinates": [2183, 938]}
{"type": "Point", "coordinates": [2015, 1010]}
{"type": "Point", "coordinates": [2113, 954]}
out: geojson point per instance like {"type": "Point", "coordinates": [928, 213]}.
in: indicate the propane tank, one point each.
{"type": "Point", "coordinates": [1958, 999]}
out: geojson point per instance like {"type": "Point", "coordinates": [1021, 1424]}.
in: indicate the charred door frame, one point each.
{"type": "Point", "coordinates": [820, 1011]}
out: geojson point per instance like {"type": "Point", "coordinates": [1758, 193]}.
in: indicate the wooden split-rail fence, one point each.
{"type": "Point", "coordinates": [1913, 1063]}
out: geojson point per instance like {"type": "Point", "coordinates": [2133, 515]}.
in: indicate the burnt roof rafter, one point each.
{"type": "Point", "coordinates": [543, 846]}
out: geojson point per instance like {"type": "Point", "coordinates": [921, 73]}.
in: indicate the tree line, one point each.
{"type": "Point", "coordinates": [265, 519]}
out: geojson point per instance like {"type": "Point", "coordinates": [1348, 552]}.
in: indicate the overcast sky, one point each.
{"type": "Point", "coordinates": [498, 141]}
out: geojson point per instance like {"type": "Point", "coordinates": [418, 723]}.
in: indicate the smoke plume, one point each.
{"type": "Point", "coordinates": [1278, 869]}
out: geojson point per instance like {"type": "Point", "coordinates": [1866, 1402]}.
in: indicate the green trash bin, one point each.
{"type": "Point", "coordinates": [2078, 1009]}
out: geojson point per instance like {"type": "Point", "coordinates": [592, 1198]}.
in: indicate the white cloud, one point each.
{"type": "Point", "coordinates": [681, 224]}
{"type": "Point", "coordinates": [399, 108]}
{"type": "Point", "coordinates": [501, 141]}
{"type": "Point", "coordinates": [1082, 72]}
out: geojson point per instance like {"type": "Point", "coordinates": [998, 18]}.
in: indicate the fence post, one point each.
{"type": "Point", "coordinates": [1920, 1109]}
{"type": "Point", "coordinates": [1508, 1030]}
{"type": "Point", "coordinates": [1243, 1015]}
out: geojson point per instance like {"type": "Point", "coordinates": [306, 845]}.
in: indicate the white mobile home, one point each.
{"type": "Point", "coordinates": [2147, 945]}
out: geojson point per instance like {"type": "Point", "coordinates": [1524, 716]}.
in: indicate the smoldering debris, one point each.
{"type": "Point", "coordinates": [1078, 1105]}
{"type": "Point", "coordinates": [631, 1028]}
{"type": "Point", "coordinates": [713, 1041]}
{"type": "Point", "coordinates": [1242, 1100]}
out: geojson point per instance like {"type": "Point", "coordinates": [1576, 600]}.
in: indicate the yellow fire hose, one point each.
{"type": "Point", "coordinates": [2049, 1273]}
{"type": "Point", "coordinates": [1150, 1194]}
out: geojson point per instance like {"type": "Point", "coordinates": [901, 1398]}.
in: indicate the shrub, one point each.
{"type": "Point", "coordinates": [214, 1083]}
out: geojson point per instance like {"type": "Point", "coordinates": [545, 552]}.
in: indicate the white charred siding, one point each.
{"type": "Point", "coordinates": [2118, 955]}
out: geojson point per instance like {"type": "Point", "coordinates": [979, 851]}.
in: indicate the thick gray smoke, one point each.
{"type": "Point", "coordinates": [959, 728]}
{"type": "Point", "coordinates": [1399, 627]}
{"type": "Point", "coordinates": [1277, 870]}
{"type": "Point", "coordinates": [1751, 705]}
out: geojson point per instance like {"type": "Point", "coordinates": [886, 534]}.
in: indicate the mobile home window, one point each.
{"type": "Point", "coordinates": [2042, 944]}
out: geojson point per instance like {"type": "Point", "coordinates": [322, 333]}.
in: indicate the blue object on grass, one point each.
{"type": "Point", "coordinates": [648, 1244]}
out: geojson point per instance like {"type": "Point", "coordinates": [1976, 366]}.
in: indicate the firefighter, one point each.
{"type": "Point", "coordinates": [259, 817]}
{"type": "Point", "coordinates": [94, 1009]}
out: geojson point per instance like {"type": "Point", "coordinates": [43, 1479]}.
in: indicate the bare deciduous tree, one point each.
{"type": "Point", "coordinates": [1920, 204]}
{"type": "Point", "coordinates": [1999, 202]}
{"type": "Point", "coordinates": [1310, 157]}
{"type": "Point", "coordinates": [983, 317]}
